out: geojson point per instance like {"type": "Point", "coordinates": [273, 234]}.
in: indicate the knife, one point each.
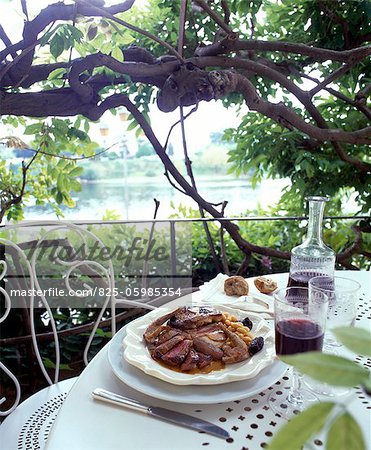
{"type": "Point", "coordinates": [161, 413]}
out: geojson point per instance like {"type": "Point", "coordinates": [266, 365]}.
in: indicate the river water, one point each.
{"type": "Point", "coordinates": [135, 201]}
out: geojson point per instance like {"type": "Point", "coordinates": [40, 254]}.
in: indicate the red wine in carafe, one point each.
{"type": "Point", "coordinates": [312, 257]}
{"type": "Point", "coordinates": [298, 336]}
{"type": "Point", "coordinates": [301, 278]}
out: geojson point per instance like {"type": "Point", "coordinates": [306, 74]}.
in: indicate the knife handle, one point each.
{"type": "Point", "coordinates": [119, 400]}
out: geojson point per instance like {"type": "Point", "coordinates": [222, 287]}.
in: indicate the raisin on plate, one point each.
{"type": "Point", "coordinates": [247, 323]}
{"type": "Point", "coordinates": [256, 345]}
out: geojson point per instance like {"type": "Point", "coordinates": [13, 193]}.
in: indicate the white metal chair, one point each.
{"type": "Point", "coordinates": [27, 424]}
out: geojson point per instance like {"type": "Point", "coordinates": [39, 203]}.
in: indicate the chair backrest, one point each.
{"type": "Point", "coordinates": [50, 265]}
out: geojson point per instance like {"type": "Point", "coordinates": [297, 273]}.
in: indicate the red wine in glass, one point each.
{"type": "Point", "coordinates": [301, 278]}
{"type": "Point", "coordinates": [298, 336]}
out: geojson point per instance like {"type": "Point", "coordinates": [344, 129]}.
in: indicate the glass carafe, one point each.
{"type": "Point", "coordinates": [312, 258]}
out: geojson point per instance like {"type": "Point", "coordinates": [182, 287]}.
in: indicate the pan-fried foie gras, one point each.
{"type": "Point", "coordinates": [199, 339]}
{"type": "Point", "coordinates": [190, 318]}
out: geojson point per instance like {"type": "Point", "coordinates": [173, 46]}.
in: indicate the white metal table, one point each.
{"type": "Point", "coordinates": [85, 424]}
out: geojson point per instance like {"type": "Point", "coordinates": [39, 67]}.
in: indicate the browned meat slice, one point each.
{"type": "Point", "coordinates": [194, 317]}
{"type": "Point", "coordinates": [159, 351]}
{"type": "Point", "coordinates": [206, 346]}
{"type": "Point", "coordinates": [155, 328]}
{"type": "Point", "coordinates": [167, 334]}
{"type": "Point", "coordinates": [203, 360]}
{"type": "Point", "coordinates": [177, 354]}
{"type": "Point", "coordinates": [191, 361]}
{"type": "Point", "coordinates": [212, 331]}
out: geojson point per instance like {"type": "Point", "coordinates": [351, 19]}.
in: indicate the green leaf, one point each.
{"type": "Point", "coordinates": [76, 33]}
{"type": "Point", "coordinates": [59, 198]}
{"type": "Point", "coordinates": [117, 54]}
{"type": "Point", "coordinates": [92, 31]}
{"type": "Point", "coordinates": [75, 172]}
{"type": "Point", "coordinates": [56, 46]}
{"type": "Point", "coordinates": [61, 182]}
{"type": "Point", "coordinates": [294, 434]}
{"type": "Point", "coordinates": [68, 201]}
{"type": "Point", "coordinates": [33, 128]}
{"type": "Point", "coordinates": [330, 369]}
{"type": "Point", "coordinates": [75, 186]}
{"type": "Point", "coordinates": [356, 339]}
{"type": "Point", "coordinates": [46, 37]}
{"type": "Point", "coordinates": [132, 125]}
{"type": "Point", "coordinates": [126, 39]}
{"type": "Point", "coordinates": [57, 73]}
{"type": "Point", "coordinates": [345, 434]}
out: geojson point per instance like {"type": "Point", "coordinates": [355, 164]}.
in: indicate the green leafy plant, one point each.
{"type": "Point", "coordinates": [341, 429]}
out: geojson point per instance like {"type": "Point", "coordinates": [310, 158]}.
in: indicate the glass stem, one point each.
{"type": "Point", "coordinates": [294, 395]}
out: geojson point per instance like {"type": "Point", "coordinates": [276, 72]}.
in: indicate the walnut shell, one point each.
{"type": "Point", "coordinates": [265, 285]}
{"type": "Point", "coordinates": [236, 286]}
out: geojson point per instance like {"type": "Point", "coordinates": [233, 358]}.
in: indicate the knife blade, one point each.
{"type": "Point", "coordinates": [161, 413]}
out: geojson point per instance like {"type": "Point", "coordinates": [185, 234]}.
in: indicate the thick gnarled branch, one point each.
{"type": "Point", "coordinates": [317, 54]}
{"type": "Point", "coordinates": [20, 104]}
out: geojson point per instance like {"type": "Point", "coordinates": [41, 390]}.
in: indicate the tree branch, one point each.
{"type": "Point", "coordinates": [166, 173]}
{"type": "Point", "coordinates": [216, 18]}
{"type": "Point", "coordinates": [70, 158]}
{"type": "Point", "coordinates": [362, 108]}
{"type": "Point", "coordinates": [317, 54]}
{"type": "Point", "coordinates": [288, 118]}
{"type": "Point", "coordinates": [279, 112]}
{"type": "Point", "coordinates": [362, 95]}
{"type": "Point", "coordinates": [227, 12]}
{"type": "Point", "coordinates": [339, 20]}
{"type": "Point", "coordinates": [15, 199]}
{"type": "Point", "coordinates": [223, 252]}
{"type": "Point", "coordinates": [7, 42]}
{"type": "Point", "coordinates": [332, 77]}
{"type": "Point", "coordinates": [25, 10]}
{"type": "Point", "coordinates": [59, 11]}
{"type": "Point", "coordinates": [83, 96]}
{"type": "Point", "coordinates": [344, 256]}
{"type": "Point", "coordinates": [182, 20]}
{"type": "Point", "coordinates": [104, 13]}
{"type": "Point", "coordinates": [154, 71]}
{"type": "Point", "coordinates": [176, 123]}
{"type": "Point", "coordinates": [232, 229]}
{"type": "Point", "coordinates": [187, 161]}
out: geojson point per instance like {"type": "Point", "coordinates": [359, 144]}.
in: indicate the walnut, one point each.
{"type": "Point", "coordinates": [236, 286]}
{"type": "Point", "coordinates": [265, 285]}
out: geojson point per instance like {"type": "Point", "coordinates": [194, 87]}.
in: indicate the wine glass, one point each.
{"type": "Point", "coordinates": [342, 306]}
{"type": "Point", "coordinates": [342, 311]}
{"type": "Point", "coordinates": [300, 318]}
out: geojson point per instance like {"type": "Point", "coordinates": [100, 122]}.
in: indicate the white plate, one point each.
{"type": "Point", "coordinates": [137, 354]}
{"type": "Point", "coordinates": [196, 395]}
{"type": "Point", "coordinates": [212, 292]}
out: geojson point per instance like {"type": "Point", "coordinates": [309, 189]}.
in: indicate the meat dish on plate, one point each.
{"type": "Point", "coordinates": [200, 339]}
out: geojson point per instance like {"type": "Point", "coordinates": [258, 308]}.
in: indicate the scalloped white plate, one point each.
{"type": "Point", "coordinates": [137, 354]}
